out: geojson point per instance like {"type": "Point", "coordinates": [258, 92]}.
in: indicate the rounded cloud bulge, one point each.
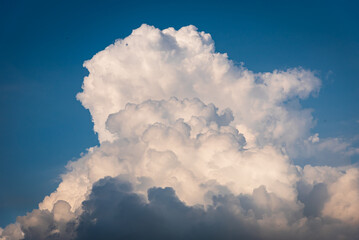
{"type": "Point", "coordinates": [155, 64]}
{"type": "Point", "coordinates": [193, 146]}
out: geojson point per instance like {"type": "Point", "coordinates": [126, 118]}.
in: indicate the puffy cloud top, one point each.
{"type": "Point", "coordinates": [155, 64]}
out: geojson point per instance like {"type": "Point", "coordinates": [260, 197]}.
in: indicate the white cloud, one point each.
{"type": "Point", "coordinates": [12, 232]}
{"type": "Point", "coordinates": [172, 112]}
{"type": "Point", "coordinates": [314, 138]}
{"type": "Point", "coordinates": [154, 64]}
{"type": "Point", "coordinates": [180, 144]}
{"type": "Point", "coordinates": [343, 203]}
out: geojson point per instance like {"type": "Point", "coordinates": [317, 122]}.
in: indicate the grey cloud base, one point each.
{"type": "Point", "coordinates": [114, 211]}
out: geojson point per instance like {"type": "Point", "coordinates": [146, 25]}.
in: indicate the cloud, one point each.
{"type": "Point", "coordinates": [183, 144]}
{"type": "Point", "coordinates": [12, 232]}
{"type": "Point", "coordinates": [192, 146]}
{"type": "Point", "coordinates": [60, 223]}
{"type": "Point", "coordinates": [114, 211]}
{"type": "Point", "coordinates": [344, 198]}
{"type": "Point", "coordinates": [155, 64]}
{"type": "Point", "coordinates": [112, 206]}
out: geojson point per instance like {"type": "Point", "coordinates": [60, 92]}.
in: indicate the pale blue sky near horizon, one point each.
{"type": "Point", "coordinates": [43, 45]}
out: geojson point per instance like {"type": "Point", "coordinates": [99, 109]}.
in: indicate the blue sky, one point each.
{"type": "Point", "coordinates": [44, 44]}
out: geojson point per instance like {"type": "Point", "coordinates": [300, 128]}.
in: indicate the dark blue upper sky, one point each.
{"type": "Point", "coordinates": [43, 45]}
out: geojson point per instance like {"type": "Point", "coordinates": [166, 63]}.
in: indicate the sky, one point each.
{"type": "Point", "coordinates": [44, 45]}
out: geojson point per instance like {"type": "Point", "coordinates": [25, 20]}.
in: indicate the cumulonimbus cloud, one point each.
{"type": "Point", "coordinates": [186, 134]}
